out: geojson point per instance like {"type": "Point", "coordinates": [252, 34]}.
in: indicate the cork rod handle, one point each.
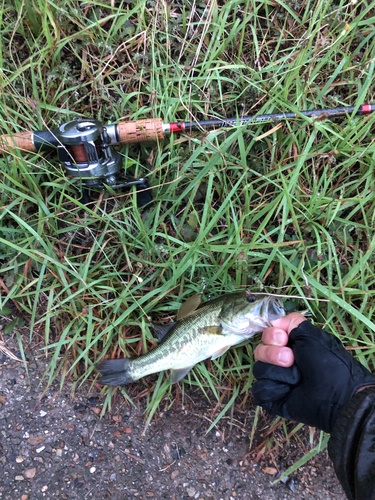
{"type": "Point", "coordinates": [140, 131]}
{"type": "Point", "coordinates": [18, 140]}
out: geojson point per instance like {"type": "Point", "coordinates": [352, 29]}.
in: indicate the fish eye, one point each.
{"type": "Point", "coordinates": [251, 298]}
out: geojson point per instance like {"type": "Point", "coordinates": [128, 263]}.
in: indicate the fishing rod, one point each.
{"type": "Point", "coordinates": [76, 133]}
{"type": "Point", "coordinates": [84, 146]}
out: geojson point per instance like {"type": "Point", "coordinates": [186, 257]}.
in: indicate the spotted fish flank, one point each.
{"type": "Point", "coordinates": [206, 332]}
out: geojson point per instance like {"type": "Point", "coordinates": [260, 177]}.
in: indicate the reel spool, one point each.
{"type": "Point", "coordinates": [85, 150]}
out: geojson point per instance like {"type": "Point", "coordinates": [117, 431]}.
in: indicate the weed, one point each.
{"type": "Point", "coordinates": [292, 213]}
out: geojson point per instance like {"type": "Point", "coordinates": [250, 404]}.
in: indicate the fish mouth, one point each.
{"type": "Point", "coordinates": [275, 308]}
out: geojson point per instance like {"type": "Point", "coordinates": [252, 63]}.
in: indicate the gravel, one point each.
{"type": "Point", "coordinates": [57, 446]}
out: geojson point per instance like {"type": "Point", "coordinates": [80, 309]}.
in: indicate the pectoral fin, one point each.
{"type": "Point", "coordinates": [212, 330]}
{"type": "Point", "coordinates": [162, 330]}
{"type": "Point", "coordinates": [177, 375]}
{"type": "Point", "coordinates": [190, 306]}
{"type": "Point", "coordinates": [220, 352]}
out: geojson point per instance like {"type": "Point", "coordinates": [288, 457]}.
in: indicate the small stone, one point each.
{"type": "Point", "coordinates": [45, 488]}
{"type": "Point", "coordinates": [174, 474]}
{"type": "Point", "coordinates": [59, 452]}
{"type": "Point", "coordinates": [42, 413]}
{"type": "Point", "coordinates": [190, 491]}
{"type": "Point", "coordinates": [24, 497]}
{"type": "Point", "coordinates": [92, 470]}
{"type": "Point", "coordinates": [127, 430]}
{"type": "Point", "coordinates": [208, 472]}
{"type": "Point", "coordinates": [36, 440]}
{"type": "Point", "coordinates": [30, 473]}
{"type": "Point", "coordinates": [19, 478]}
{"type": "Point", "coordinates": [117, 418]}
{"type": "Point", "coordinates": [149, 494]}
{"type": "Point", "coordinates": [20, 459]}
{"type": "Point", "coordinates": [76, 457]}
{"type": "Point", "coordinates": [117, 458]}
{"type": "Point", "coordinates": [270, 470]}
{"type": "Point", "coordinates": [113, 477]}
{"type": "Point", "coordinates": [96, 410]}
{"type": "Point", "coordinates": [39, 450]}
{"type": "Point", "coordinates": [3, 399]}
{"type": "Point", "coordinates": [26, 435]}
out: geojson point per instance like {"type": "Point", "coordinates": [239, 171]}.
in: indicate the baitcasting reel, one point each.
{"type": "Point", "coordinates": [84, 147]}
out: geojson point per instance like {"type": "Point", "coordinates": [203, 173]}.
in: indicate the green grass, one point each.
{"type": "Point", "coordinates": [292, 213]}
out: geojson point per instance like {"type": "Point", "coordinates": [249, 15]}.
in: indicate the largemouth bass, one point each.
{"type": "Point", "coordinates": [207, 332]}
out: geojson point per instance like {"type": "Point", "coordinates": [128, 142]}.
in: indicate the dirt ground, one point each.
{"type": "Point", "coordinates": [59, 447]}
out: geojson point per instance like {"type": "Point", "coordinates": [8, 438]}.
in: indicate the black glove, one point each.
{"type": "Point", "coordinates": [322, 380]}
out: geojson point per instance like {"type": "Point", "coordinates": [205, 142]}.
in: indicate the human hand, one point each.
{"type": "Point", "coordinates": [275, 339]}
{"type": "Point", "coordinates": [322, 379]}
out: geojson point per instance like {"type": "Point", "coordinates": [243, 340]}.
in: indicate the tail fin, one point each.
{"type": "Point", "coordinates": [115, 372]}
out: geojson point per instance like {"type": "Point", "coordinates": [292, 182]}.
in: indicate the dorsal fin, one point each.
{"type": "Point", "coordinates": [190, 306]}
{"type": "Point", "coordinates": [162, 330]}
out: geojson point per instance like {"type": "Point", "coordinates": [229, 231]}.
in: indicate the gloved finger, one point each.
{"type": "Point", "coordinates": [275, 336]}
{"type": "Point", "coordinates": [307, 332]}
{"type": "Point", "coordinates": [281, 356]}
{"type": "Point", "coordinates": [315, 349]}
{"type": "Point", "coordinates": [268, 391]}
{"type": "Point", "coordinates": [262, 371]}
{"type": "Point", "coordinates": [289, 322]}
